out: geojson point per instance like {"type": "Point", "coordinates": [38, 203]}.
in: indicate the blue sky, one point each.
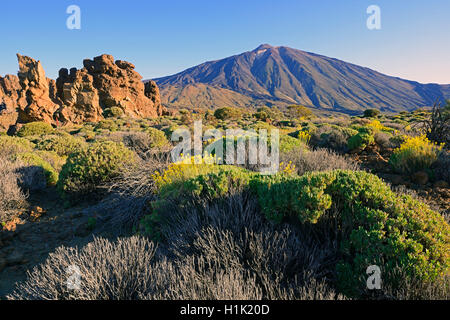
{"type": "Point", "coordinates": [165, 37]}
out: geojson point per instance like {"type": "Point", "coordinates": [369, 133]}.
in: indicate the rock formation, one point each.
{"type": "Point", "coordinates": [77, 95]}
{"type": "Point", "coordinates": [37, 91]}
{"type": "Point", "coordinates": [9, 95]}
{"type": "Point", "coordinates": [103, 84]}
{"type": "Point", "coordinates": [80, 99]}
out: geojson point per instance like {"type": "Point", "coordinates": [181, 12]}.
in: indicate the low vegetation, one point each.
{"type": "Point", "coordinates": [216, 231]}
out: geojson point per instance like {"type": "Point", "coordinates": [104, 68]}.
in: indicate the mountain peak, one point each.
{"type": "Point", "coordinates": [263, 47]}
{"type": "Point", "coordinates": [272, 75]}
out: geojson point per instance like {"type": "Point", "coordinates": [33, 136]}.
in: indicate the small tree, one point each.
{"type": "Point", "coordinates": [371, 113]}
{"type": "Point", "coordinates": [227, 113]}
{"type": "Point", "coordinates": [297, 111]}
{"type": "Point", "coordinates": [437, 125]}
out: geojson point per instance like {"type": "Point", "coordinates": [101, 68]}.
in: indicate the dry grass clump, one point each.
{"type": "Point", "coordinates": [129, 194]}
{"type": "Point", "coordinates": [11, 196]}
{"type": "Point", "coordinates": [317, 160]}
{"type": "Point", "coordinates": [283, 261]}
{"type": "Point", "coordinates": [108, 270]}
{"type": "Point", "coordinates": [230, 253]}
{"type": "Point", "coordinates": [330, 137]}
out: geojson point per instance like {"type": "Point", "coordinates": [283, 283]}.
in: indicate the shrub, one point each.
{"type": "Point", "coordinates": [120, 270]}
{"type": "Point", "coordinates": [297, 112]}
{"type": "Point", "coordinates": [184, 183]}
{"type": "Point", "coordinates": [157, 138]}
{"type": "Point", "coordinates": [377, 227]}
{"type": "Point", "coordinates": [317, 160]}
{"type": "Point", "coordinates": [143, 143]}
{"type": "Point", "coordinates": [92, 166]}
{"type": "Point", "coordinates": [437, 124]}
{"type": "Point", "coordinates": [416, 153]}
{"type": "Point", "coordinates": [35, 129]}
{"type": "Point", "coordinates": [130, 269]}
{"type": "Point", "coordinates": [374, 225]}
{"type": "Point", "coordinates": [383, 139]}
{"type": "Point", "coordinates": [113, 112]}
{"type": "Point", "coordinates": [250, 259]}
{"type": "Point", "coordinates": [129, 195]}
{"type": "Point", "coordinates": [38, 160]}
{"type": "Point", "coordinates": [185, 116]}
{"type": "Point", "coordinates": [288, 143]}
{"type": "Point", "coordinates": [262, 116]}
{"type": "Point", "coordinates": [397, 140]}
{"type": "Point", "coordinates": [62, 144]}
{"type": "Point", "coordinates": [11, 196]}
{"type": "Point", "coordinates": [378, 127]}
{"type": "Point", "coordinates": [12, 145]}
{"type": "Point", "coordinates": [107, 124]}
{"type": "Point", "coordinates": [441, 168]}
{"type": "Point", "coordinates": [331, 136]}
{"type": "Point", "coordinates": [371, 113]}
{"type": "Point", "coordinates": [266, 113]}
{"type": "Point", "coordinates": [227, 113]}
{"type": "Point", "coordinates": [31, 178]}
{"type": "Point", "coordinates": [361, 140]}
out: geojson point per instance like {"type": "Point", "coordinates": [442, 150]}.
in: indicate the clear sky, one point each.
{"type": "Point", "coordinates": [165, 37]}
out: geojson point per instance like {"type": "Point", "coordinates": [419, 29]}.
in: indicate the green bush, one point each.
{"type": "Point", "coordinates": [62, 144]}
{"type": "Point", "coordinates": [362, 139]}
{"type": "Point", "coordinates": [377, 226]}
{"type": "Point", "coordinates": [39, 160]}
{"type": "Point", "coordinates": [297, 111]}
{"type": "Point", "coordinates": [13, 145]}
{"type": "Point", "coordinates": [35, 129]}
{"type": "Point", "coordinates": [227, 113]}
{"type": "Point", "coordinates": [374, 225]}
{"type": "Point", "coordinates": [371, 113]}
{"type": "Point", "coordinates": [262, 116]}
{"type": "Point", "coordinates": [414, 154]}
{"type": "Point", "coordinates": [266, 113]}
{"type": "Point", "coordinates": [288, 143]}
{"type": "Point", "coordinates": [330, 136]}
{"type": "Point", "coordinates": [107, 124]}
{"type": "Point", "coordinates": [113, 112]}
{"type": "Point", "coordinates": [184, 183]}
{"type": "Point", "coordinates": [89, 167]}
{"type": "Point", "coordinates": [157, 138]}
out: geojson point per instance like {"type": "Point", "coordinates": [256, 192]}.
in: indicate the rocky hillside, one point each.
{"type": "Point", "coordinates": [77, 95]}
{"type": "Point", "coordinates": [282, 75]}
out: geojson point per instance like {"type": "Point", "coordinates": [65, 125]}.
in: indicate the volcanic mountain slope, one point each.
{"type": "Point", "coordinates": [282, 76]}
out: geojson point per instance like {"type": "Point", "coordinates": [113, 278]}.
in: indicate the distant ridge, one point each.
{"type": "Point", "coordinates": [281, 76]}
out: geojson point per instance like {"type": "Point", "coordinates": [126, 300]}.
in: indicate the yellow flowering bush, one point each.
{"type": "Point", "coordinates": [416, 153]}
{"type": "Point", "coordinates": [304, 136]}
{"type": "Point", "coordinates": [187, 167]}
{"type": "Point", "coordinates": [377, 126]}
{"type": "Point", "coordinates": [288, 168]}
